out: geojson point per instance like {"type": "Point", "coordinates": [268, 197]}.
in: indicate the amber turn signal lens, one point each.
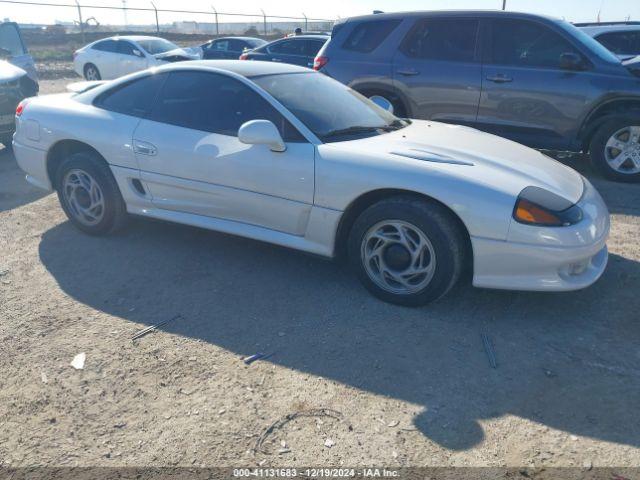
{"type": "Point", "coordinates": [529, 212]}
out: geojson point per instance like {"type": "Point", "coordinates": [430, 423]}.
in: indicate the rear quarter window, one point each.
{"type": "Point", "coordinates": [367, 36]}
{"type": "Point", "coordinates": [134, 98]}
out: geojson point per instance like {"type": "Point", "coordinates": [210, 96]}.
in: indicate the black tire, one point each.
{"type": "Point", "coordinates": [446, 235]}
{"type": "Point", "coordinates": [87, 72]}
{"type": "Point", "coordinates": [597, 149]}
{"type": "Point", "coordinates": [114, 215]}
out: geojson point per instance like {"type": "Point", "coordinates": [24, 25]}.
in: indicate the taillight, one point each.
{"type": "Point", "coordinates": [319, 62]}
{"type": "Point", "coordinates": [20, 108]}
{"type": "Point", "coordinates": [244, 56]}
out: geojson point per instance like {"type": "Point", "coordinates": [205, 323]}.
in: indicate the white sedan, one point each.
{"type": "Point", "coordinates": [286, 155]}
{"type": "Point", "coordinates": [114, 57]}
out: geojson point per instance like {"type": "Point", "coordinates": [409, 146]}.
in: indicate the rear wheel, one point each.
{"type": "Point", "coordinates": [89, 194]}
{"type": "Point", "coordinates": [407, 251]}
{"type": "Point", "coordinates": [615, 149]}
{"type": "Point", "coordinates": [91, 72]}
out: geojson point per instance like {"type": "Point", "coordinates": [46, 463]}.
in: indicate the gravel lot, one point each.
{"type": "Point", "coordinates": [414, 386]}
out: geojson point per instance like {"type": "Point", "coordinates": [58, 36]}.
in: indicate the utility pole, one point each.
{"type": "Point", "coordinates": [80, 21]}
{"type": "Point", "coordinates": [504, 4]}
{"type": "Point", "coordinates": [156, 12]}
{"type": "Point", "coordinates": [217, 24]}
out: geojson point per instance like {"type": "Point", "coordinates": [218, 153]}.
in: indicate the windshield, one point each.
{"type": "Point", "coordinates": [10, 40]}
{"type": "Point", "coordinates": [596, 47]}
{"type": "Point", "coordinates": [157, 45]}
{"type": "Point", "coordinates": [331, 110]}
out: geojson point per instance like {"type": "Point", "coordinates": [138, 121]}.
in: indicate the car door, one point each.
{"type": "Point", "coordinates": [192, 161]}
{"type": "Point", "coordinates": [14, 50]}
{"type": "Point", "coordinates": [218, 49]}
{"type": "Point", "coordinates": [526, 95]}
{"type": "Point", "coordinates": [131, 58]}
{"type": "Point", "coordinates": [290, 50]}
{"type": "Point", "coordinates": [105, 56]}
{"type": "Point", "coordinates": [437, 68]}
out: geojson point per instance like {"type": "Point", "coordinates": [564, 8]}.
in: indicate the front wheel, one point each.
{"type": "Point", "coordinates": [407, 251]}
{"type": "Point", "coordinates": [615, 149]}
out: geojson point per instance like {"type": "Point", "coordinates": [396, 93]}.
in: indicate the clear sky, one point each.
{"type": "Point", "coordinates": [572, 10]}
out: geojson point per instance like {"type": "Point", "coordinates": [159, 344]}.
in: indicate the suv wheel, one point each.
{"type": "Point", "coordinates": [615, 149]}
{"type": "Point", "coordinates": [91, 72]}
{"type": "Point", "coordinates": [89, 194]}
{"type": "Point", "coordinates": [407, 251]}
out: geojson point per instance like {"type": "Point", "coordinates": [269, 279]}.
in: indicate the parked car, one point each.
{"type": "Point", "coordinates": [18, 79]}
{"type": "Point", "coordinates": [229, 47]}
{"type": "Point", "coordinates": [413, 203]}
{"type": "Point", "coordinates": [538, 81]}
{"type": "Point", "coordinates": [114, 57]}
{"type": "Point", "coordinates": [299, 50]}
{"type": "Point", "coordinates": [622, 38]}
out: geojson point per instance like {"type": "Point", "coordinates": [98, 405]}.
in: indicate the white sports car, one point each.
{"type": "Point", "coordinates": [286, 155]}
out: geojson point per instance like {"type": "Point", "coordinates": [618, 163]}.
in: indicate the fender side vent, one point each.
{"type": "Point", "coordinates": [137, 184]}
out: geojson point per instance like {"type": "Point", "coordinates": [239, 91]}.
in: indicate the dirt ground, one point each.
{"type": "Point", "coordinates": [414, 386]}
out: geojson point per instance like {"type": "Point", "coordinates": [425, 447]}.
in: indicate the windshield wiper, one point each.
{"type": "Point", "coordinates": [395, 125]}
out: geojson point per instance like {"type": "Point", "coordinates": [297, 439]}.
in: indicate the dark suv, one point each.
{"type": "Point", "coordinates": [539, 81]}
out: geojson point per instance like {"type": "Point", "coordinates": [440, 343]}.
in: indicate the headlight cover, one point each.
{"type": "Point", "coordinates": [537, 206]}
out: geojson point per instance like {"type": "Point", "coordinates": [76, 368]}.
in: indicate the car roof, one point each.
{"type": "Point", "coordinates": [133, 38]}
{"type": "Point", "coordinates": [315, 36]}
{"type": "Point", "coordinates": [450, 13]}
{"type": "Point", "coordinates": [597, 30]}
{"type": "Point", "coordinates": [240, 67]}
{"type": "Point", "coordinates": [236, 38]}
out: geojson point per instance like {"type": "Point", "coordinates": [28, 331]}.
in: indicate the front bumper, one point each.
{"type": "Point", "coordinates": [547, 258]}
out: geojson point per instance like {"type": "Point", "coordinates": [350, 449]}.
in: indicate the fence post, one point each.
{"type": "Point", "coordinates": [217, 24]}
{"type": "Point", "coordinates": [264, 21]}
{"type": "Point", "coordinates": [80, 21]}
{"type": "Point", "coordinates": [306, 23]}
{"type": "Point", "coordinates": [156, 12]}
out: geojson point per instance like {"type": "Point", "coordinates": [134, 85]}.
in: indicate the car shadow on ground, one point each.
{"type": "Point", "coordinates": [568, 361]}
{"type": "Point", "coordinates": [14, 189]}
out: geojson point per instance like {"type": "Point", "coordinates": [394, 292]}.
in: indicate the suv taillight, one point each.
{"type": "Point", "coordinates": [319, 62]}
{"type": "Point", "coordinates": [20, 108]}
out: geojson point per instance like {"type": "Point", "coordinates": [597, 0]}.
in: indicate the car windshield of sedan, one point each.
{"type": "Point", "coordinates": [157, 45]}
{"type": "Point", "coordinates": [331, 110]}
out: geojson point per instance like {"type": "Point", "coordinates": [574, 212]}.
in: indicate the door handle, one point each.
{"type": "Point", "coordinates": [276, 60]}
{"type": "Point", "coordinates": [500, 78]}
{"type": "Point", "coordinates": [408, 72]}
{"type": "Point", "coordinates": [144, 148]}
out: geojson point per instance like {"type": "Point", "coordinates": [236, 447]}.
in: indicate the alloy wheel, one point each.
{"type": "Point", "coordinates": [398, 257]}
{"type": "Point", "coordinates": [83, 196]}
{"type": "Point", "coordinates": [622, 150]}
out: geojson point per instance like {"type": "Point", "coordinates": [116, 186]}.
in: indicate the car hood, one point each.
{"type": "Point", "coordinates": [9, 72]}
{"type": "Point", "coordinates": [478, 156]}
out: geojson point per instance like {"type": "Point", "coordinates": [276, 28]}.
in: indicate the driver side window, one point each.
{"type": "Point", "coordinates": [215, 103]}
{"type": "Point", "coordinates": [527, 44]}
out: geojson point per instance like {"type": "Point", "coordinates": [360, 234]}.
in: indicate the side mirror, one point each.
{"type": "Point", "coordinates": [137, 53]}
{"type": "Point", "coordinates": [261, 132]}
{"type": "Point", "coordinates": [571, 61]}
{"type": "Point", "coordinates": [382, 103]}
{"type": "Point", "coordinates": [4, 54]}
